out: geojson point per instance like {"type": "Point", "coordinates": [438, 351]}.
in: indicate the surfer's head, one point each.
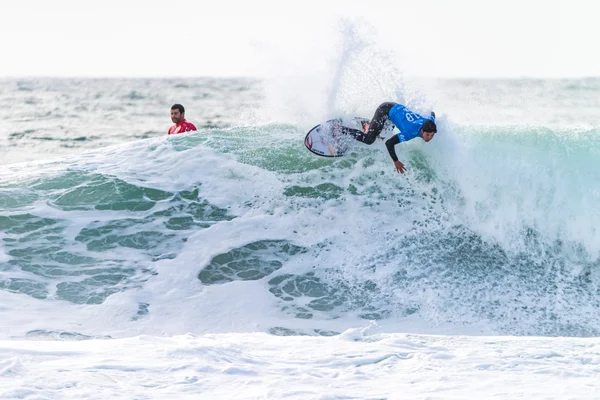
{"type": "Point", "coordinates": [177, 113]}
{"type": "Point", "coordinates": [428, 130]}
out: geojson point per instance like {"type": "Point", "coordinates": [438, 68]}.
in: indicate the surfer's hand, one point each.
{"type": "Point", "coordinates": [399, 167]}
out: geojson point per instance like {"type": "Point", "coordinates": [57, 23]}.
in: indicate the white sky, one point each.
{"type": "Point", "coordinates": [432, 38]}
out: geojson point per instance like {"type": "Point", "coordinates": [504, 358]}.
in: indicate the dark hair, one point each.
{"type": "Point", "coordinates": [178, 107]}
{"type": "Point", "coordinates": [429, 126]}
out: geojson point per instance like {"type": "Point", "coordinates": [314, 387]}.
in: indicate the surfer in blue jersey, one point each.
{"type": "Point", "coordinates": [410, 124]}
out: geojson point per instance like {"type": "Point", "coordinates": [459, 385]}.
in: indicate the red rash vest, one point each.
{"type": "Point", "coordinates": [182, 126]}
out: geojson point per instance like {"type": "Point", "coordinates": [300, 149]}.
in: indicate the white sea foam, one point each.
{"type": "Point", "coordinates": [259, 366]}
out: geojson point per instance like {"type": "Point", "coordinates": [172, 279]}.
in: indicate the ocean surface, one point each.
{"type": "Point", "coordinates": [233, 263]}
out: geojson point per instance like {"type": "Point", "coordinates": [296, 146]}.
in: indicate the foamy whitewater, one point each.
{"type": "Point", "coordinates": [233, 263]}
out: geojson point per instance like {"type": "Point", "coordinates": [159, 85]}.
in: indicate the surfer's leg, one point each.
{"type": "Point", "coordinates": [375, 127]}
{"type": "Point", "coordinates": [355, 133]}
{"type": "Point", "coordinates": [378, 122]}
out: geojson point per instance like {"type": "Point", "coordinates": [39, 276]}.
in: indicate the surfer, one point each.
{"type": "Point", "coordinates": [410, 124]}
{"type": "Point", "coordinates": [178, 118]}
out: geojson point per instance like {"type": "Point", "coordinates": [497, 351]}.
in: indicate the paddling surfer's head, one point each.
{"type": "Point", "coordinates": [177, 113]}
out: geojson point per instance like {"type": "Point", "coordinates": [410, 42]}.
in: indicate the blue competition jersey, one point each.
{"type": "Point", "coordinates": [409, 123]}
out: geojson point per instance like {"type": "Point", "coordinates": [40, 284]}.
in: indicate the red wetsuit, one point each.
{"type": "Point", "coordinates": [182, 126]}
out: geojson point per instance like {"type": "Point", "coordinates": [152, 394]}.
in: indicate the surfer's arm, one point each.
{"type": "Point", "coordinates": [390, 144]}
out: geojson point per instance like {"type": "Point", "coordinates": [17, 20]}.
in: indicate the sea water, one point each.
{"type": "Point", "coordinates": [232, 262]}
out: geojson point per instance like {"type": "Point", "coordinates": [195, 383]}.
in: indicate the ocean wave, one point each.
{"type": "Point", "coordinates": [494, 237]}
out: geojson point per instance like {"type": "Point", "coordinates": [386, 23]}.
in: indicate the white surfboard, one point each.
{"type": "Point", "coordinates": [327, 140]}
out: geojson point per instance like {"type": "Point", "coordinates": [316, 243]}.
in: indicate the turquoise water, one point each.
{"type": "Point", "coordinates": [108, 226]}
